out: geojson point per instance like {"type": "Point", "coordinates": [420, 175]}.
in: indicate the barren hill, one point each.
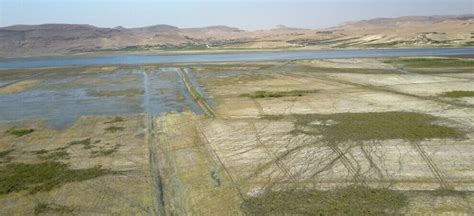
{"type": "Point", "coordinates": [59, 39]}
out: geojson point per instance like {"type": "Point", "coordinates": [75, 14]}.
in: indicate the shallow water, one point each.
{"type": "Point", "coordinates": [216, 57]}
{"type": "Point", "coordinates": [62, 99]}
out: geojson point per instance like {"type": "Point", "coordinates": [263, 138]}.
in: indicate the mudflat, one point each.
{"type": "Point", "coordinates": [332, 136]}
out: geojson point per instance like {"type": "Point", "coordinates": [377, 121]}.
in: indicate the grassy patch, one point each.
{"type": "Point", "coordinates": [113, 129]}
{"type": "Point", "coordinates": [40, 152]}
{"type": "Point", "coordinates": [45, 176]}
{"type": "Point", "coordinates": [345, 201]}
{"type": "Point", "coordinates": [105, 152]}
{"type": "Point", "coordinates": [5, 153]}
{"type": "Point", "coordinates": [458, 94]}
{"type": "Point", "coordinates": [189, 46]}
{"type": "Point", "coordinates": [431, 62]}
{"type": "Point", "coordinates": [116, 120]}
{"type": "Point", "coordinates": [57, 155]}
{"type": "Point", "coordinates": [42, 208]}
{"type": "Point", "coordinates": [469, 43]}
{"type": "Point", "coordinates": [268, 94]}
{"type": "Point", "coordinates": [372, 126]}
{"type": "Point", "coordinates": [85, 142]}
{"type": "Point", "coordinates": [448, 192]}
{"type": "Point", "coordinates": [19, 132]}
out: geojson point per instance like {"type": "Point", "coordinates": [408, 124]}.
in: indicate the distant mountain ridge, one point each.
{"type": "Point", "coordinates": [63, 39]}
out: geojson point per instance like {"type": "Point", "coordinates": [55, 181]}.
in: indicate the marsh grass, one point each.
{"type": "Point", "coordinates": [352, 200]}
{"type": "Point", "coordinates": [45, 176]}
{"type": "Point", "coordinates": [4, 154]}
{"type": "Point", "coordinates": [113, 129]}
{"type": "Point", "coordinates": [469, 43]}
{"type": "Point", "coordinates": [448, 192]}
{"type": "Point", "coordinates": [116, 119]}
{"type": "Point", "coordinates": [19, 132]}
{"type": "Point", "coordinates": [41, 152]}
{"type": "Point", "coordinates": [343, 127]}
{"type": "Point", "coordinates": [86, 143]}
{"type": "Point", "coordinates": [431, 62]}
{"type": "Point", "coordinates": [277, 94]}
{"type": "Point", "coordinates": [458, 94]}
{"type": "Point", "coordinates": [42, 208]}
{"type": "Point", "coordinates": [105, 152]}
{"type": "Point", "coordinates": [56, 155]}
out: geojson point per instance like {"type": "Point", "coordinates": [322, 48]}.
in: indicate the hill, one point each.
{"type": "Point", "coordinates": [64, 39]}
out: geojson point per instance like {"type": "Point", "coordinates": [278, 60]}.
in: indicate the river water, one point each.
{"type": "Point", "coordinates": [219, 57]}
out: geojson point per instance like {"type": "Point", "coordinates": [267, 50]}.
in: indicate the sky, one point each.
{"type": "Point", "coordinates": [244, 14]}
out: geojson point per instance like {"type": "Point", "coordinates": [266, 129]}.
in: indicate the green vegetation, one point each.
{"type": "Point", "coordinates": [458, 94]}
{"type": "Point", "coordinates": [267, 94]}
{"type": "Point", "coordinates": [116, 120]}
{"type": "Point", "coordinates": [85, 142]}
{"type": "Point", "coordinates": [45, 176]}
{"type": "Point", "coordinates": [20, 131]}
{"type": "Point", "coordinates": [447, 192]}
{"type": "Point", "coordinates": [127, 48]}
{"type": "Point", "coordinates": [62, 154]}
{"type": "Point", "coordinates": [353, 200]}
{"type": "Point", "coordinates": [113, 129]}
{"type": "Point", "coordinates": [42, 208]}
{"type": "Point", "coordinates": [41, 152]}
{"type": "Point", "coordinates": [431, 62]}
{"type": "Point", "coordinates": [200, 100]}
{"type": "Point", "coordinates": [4, 154]}
{"type": "Point", "coordinates": [105, 152]}
{"type": "Point", "coordinates": [469, 43]}
{"type": "Point", "coordinates": [371, 126]}
{"type": "Point", "coordinates": [188, 46]}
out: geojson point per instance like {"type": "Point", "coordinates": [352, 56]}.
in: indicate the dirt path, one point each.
{"type": "Point", "coordinates": [158, 207]}
{"type": "Point", "coordinates": [195, 181]}
{"type": "Point", "coordinates": [195, 94]}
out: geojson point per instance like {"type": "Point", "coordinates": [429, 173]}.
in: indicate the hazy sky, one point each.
{"type": "Point", "coordinates": [245, 14]}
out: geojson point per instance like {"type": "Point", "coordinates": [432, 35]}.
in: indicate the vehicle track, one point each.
{"type": "Point", "coordinates": [158, 207]}
{"type": "Point", "coordinates": [158, 195]}
{"type": "Point", "coordinates": [285, 170]}
{"type": "Point", "coordinates": [438, 174]}
{"type": "Point", "coordinates": [216, 157]}
{"type": "Point", "coordinates": [347, 163]}
{"type": "Point", "coordinates": [386, 89]}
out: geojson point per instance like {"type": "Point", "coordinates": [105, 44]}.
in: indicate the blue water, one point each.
{"type": "Point", "coordinates": [217, 57]}
{"type": "Point", "coordinates": [62, 98]}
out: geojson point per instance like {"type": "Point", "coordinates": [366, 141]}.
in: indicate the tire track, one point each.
{"type": "Point", "coordinates": [383, 88]}
{"type": "Point", "coordinates": [214, 154]}
{"type": "Point", "coordinates": [438, 174]}
{"type": "Point", "coordinates": [158, 208]}
{"type": "Point", "coordinates": [259, 107]}
{"type": "Point", "coordinates": [159, 204]}
{"type": "Point", "coordinates": [347, 163]}
{"type": "Point", "coordinates": [281, 166]}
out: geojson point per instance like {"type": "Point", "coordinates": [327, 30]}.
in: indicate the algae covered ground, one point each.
{"type": "Point", "coordinates": [385, 136]}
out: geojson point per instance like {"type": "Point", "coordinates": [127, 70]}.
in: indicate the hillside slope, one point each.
{"type": "Point", "coordinates": [60, 39]}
